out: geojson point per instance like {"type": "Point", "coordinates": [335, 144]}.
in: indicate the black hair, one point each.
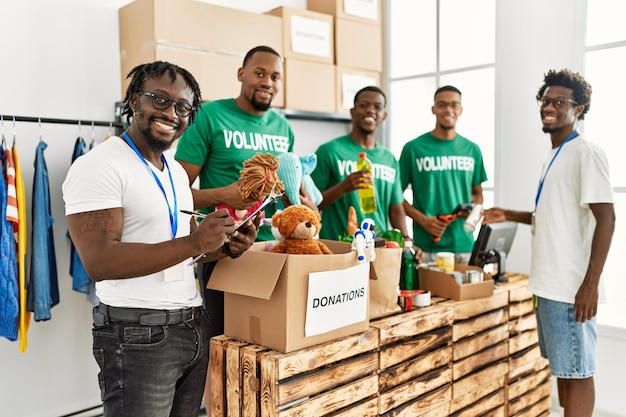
{"type": "Point", "coordinates": [156, 69]}
{"type": "Point", "coordinates": [572, 80]}
{"type": "Point", "coordinates": [447, 88]}
{"type": "Point", "coordinates": [261, 48]}
{"type": "Point", "coordinates": [370, 88]}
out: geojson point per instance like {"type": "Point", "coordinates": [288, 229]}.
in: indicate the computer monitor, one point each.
{"type": "Point", "coordinates": [493, 245]}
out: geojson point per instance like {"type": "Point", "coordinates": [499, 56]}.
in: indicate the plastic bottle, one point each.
{"type": "Point", "coordinates": [367, 197]}
{"type": "Point", "coordinates": [408, 268]}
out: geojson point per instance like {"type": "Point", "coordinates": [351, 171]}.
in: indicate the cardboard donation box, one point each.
{"type": "Point", "coordinates": [443, 285]}
{"type": "Point", "coordinates": [289, 302]}
{"type": "Point", "coordinates": [384, 281]}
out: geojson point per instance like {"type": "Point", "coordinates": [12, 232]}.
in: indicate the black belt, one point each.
{"type": "Point", "coordinates": [148, 317]}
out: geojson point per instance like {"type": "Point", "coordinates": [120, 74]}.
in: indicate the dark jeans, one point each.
{"type": "Point", "coordinates": [152, 371]}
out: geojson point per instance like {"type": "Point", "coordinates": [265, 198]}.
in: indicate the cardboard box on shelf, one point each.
{"type": "Point", "coordinates": [358, 45]}
{"type": "Point", "coordinates": [348, 82]}
{"type": "Point", "coordinates": [306, 35]}
{"type": "Point", "coordinates": [289, 302]}
{"type": "Point", "coordinates": [309, 86]}
{"type": "Point", "coordinates": [366, 11]}
{"type": "Point", "coordinates": [216, 73]}
{"type": "Point", "coordinates": [443, 285]}
{"type": "Point", "coordinates": [147, 25]}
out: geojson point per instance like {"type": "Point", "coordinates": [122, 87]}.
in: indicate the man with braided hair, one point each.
{"type": "Point", "coordinates": [123, 203]}
{"type": "Point", "coordinates": [572, 227]}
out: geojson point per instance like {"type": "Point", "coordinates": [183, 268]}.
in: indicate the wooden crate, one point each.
{"type": "Point", "coordinates": [337, 377]}
{"type": "Point", "coordinates": [531, 394]}
{"type": "Point", "coordinates": [415, 353]}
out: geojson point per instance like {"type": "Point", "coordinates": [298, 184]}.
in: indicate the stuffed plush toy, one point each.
{"type": "Point", "coordinates": [295, 171]}
{"type": "Point", "coordinates": [256, 179]}
{"type": "Point", "coordinates": [298, 225]}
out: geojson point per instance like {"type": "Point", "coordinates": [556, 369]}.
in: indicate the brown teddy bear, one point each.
{"type": "Point", "coordinates": [298, 224]}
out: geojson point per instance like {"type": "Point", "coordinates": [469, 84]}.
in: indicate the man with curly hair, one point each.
{"type": "Point", "coordinates": [572, 227]}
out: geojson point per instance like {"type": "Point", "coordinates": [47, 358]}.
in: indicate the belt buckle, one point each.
{"type": "Point", "coordinates": [193, 315]}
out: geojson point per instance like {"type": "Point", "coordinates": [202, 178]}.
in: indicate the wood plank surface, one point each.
{"type": "Point", "coordinates": [412, 323]}
{"type": "Point", "coordinates": [433, 404]}
{"type": "Point", "coordinates": [415, 388]}
{"type": "Point", "coordinates": [526, 384]}
{"type": "Point", "coordinates": [251, 379]}
{"type": "Point", "coordinates": [492, 405]}
{"type": "Point", "coordinates": [330, 401]}
{"type": "Point", "coordinates": [525, 362]}
{"type": "Point", "coordinates": [473, 392]}
{"type": "Point", "coordinates": [396, 353]}
{"type": "Point", "coordinates": [484, 357]}
{"type": "Point", "coordinates": [470, 345]}
{"type": "Point", "coordinates": [405, 371]}
{"type": "Point", "coordinates": [521, 308]}
{"type": "Point", "coordinates": [523, 341]}
{"type": "Point", "coordinates": [475, 325]}
{"type": "Point", "coordinates": [522, 402]}
{"type": "Point", "coordinates": [217, 374]}
{"type": "Point", "coordinates": [523, 323]}
{"type": "Point", "coordinates": [463, 310]}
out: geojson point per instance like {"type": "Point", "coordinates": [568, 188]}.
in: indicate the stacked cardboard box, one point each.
{"type": "Point", "coordinates": [308, 45]}
{"type": "Point", "coordinates": [209, 41]}
{"type": "Point", "coordinates": [358, 46]}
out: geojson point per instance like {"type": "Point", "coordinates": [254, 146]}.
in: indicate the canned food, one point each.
{"type": "Point", "coordinates": [458, 276]}
{"type": "Point", "coordinates": [473, 276]}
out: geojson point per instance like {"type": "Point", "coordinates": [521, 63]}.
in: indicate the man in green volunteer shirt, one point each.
{"type": "Point", "coordinates": [225, 134]}
{"type": "Point", "coordinates": [229, 131]}
{"type": "Point", "coordinates": [444, 170]}
{"type": "Point", "coordinates": [338, 179]}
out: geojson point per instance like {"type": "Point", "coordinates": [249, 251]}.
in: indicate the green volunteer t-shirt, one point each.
{"type": "Point", "coordinates": [335, 161]}
{"type": "Point", "coordinates": [223, 136]}
{"type": "Point", "coordinates": [442, 174]}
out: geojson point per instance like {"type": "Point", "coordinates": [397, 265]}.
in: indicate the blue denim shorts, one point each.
{"type": "Point", "coordinates": [570, 347]}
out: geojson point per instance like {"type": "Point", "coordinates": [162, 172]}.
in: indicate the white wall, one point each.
{"type": "Point", "coordinates": [60, 59]}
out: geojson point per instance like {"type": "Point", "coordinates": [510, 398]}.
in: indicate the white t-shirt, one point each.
{"type": "Point", "coordinates": [564, 223]}
{"type": "Point", "coordinates": [112, 175]}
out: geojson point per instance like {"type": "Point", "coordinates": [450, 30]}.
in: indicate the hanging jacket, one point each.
{"type": "Point", "coordinates": [43, 283]}
{"type": "Point", "coordinates": [9, 309]}
{"type": "Point", "coordinates": [80, 280]}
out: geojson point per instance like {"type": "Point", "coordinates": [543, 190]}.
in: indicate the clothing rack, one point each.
{"type": "Point", "coordinates": [11, 118]}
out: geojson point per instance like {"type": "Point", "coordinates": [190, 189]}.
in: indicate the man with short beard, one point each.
{"type": "Point", "coordinates": [225, 134]}
{"type": "Point", "coordinates": [444, 170]}
{"type": "Point", "coordinates": [123, 203]}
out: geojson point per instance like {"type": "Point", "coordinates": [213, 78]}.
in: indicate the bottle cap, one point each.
{"type": "Point", "coordinates": [362, 155]}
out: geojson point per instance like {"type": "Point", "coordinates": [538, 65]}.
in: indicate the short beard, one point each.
{"type": "Point", "coordinates": [260, 106]}
{"type": "Point", "coordinates": [548, 129]}
{"type": "Point", "coordinates": [154, 143]}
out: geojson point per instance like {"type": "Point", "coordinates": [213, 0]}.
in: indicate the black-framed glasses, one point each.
{"type": "Point", "coordinates": [162, 102]}
{"type": "Point", "coordinates": [558, 102]}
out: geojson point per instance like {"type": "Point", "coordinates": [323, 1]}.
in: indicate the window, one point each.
{"type": "Point", "coordinates": [605, 64]}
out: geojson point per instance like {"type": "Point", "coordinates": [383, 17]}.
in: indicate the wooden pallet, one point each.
{"type": "Point", "coordinates": [415, 352]}
{"type": "Point", "coordinates": [336, 378]}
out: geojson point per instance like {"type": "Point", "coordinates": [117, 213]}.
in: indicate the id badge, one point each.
{"type": "Point", "coordinates": [532, 224]}
{"type": "Point", "coordinates": [174, 273]}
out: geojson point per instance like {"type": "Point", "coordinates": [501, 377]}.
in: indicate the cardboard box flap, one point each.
{"type": "Point", "coordinates": [259, 283]}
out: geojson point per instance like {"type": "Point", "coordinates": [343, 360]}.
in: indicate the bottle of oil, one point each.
{"type": "Point", "coordinates": [408, 268]}
{"type": "Point", "coordinates": [367, 195]}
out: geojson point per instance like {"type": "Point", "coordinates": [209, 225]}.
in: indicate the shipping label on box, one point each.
{"type": "Point", "coordinates": [351, 84]}
{"type": "Point", "coordinates": [336, 299]}
{"type": "Point", "coordinates": [367, 9]}
{"type": "Point", "coordinates": [310, 36]}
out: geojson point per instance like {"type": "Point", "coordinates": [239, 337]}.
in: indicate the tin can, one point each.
{"type": "Point", "coordinates": [458, 276]}
{"type": "Point", "coordinates": [473, 276]}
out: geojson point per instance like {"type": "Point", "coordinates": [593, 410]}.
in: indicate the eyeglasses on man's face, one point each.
{"type": "Point", "coordinates": [442, 105]}
{"type": "Point", "coordinates": [557, 102]}
{"type": "Point", "coordinates": [163, 102]}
